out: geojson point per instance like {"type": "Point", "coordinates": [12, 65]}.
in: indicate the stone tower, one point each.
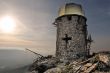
{"type": "Point", "coordinates": [71, 32]}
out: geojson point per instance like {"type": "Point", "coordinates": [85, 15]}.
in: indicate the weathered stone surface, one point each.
{"type": "Point", "coordinates": [104, 58]}
{"type": "Point", "coordinates": [75, 28]}
{"type": "Point", "coordinates": [88, 65]}
{"type": "Point", "coordinates": [55, 70]}
{"type": "Point", "coordinates": [44, 64]}
{"type": "Point", "coordinates": [90, 69]}
{"type": "Point", "coordinates": [92, 65]}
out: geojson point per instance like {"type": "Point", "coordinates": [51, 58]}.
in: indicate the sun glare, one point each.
{"type": "Point", "coordinates": [7, 24]}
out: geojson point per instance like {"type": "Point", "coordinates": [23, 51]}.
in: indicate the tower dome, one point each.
{"type": "Point", "coordinates": [70, 9]}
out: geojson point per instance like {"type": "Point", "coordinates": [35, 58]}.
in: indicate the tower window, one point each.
{"type": "Point", "coordinates": [69, 18]}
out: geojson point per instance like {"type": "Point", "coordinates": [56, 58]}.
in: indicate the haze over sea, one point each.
{"type": "Point", "coordinates": [15, 61]}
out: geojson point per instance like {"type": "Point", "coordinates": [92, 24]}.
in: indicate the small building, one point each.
{"type": "Point", "coordinates": [71, 32]}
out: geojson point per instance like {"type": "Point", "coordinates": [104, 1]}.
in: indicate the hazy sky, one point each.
{"type": "Point", "coordinates": [34, 20]}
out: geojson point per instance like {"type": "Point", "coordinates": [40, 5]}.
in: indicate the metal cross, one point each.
{"type": "Point", "coordinates": [66, 39]}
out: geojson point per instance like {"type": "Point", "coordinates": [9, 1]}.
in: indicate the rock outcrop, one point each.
{"type": "Point", "coordinates": [97, 63]}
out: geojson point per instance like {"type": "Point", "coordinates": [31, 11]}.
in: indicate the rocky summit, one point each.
{"type": "Point", "coordinates": [96, 63]}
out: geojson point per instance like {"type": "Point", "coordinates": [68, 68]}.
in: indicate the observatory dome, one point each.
{"type": "Point", "coordinates": [71, 8]}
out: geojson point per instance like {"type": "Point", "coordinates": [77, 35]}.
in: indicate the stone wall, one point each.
{"type": "Point", "coordinates": [73, 26]}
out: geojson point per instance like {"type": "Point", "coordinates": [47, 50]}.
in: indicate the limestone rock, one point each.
{"type": "Point", "coordinates": [95, 64]}
{"type": "Point", "coordinates": [55, 70]}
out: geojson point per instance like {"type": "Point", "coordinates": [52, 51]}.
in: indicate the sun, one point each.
{"type": "Point", "coordinates": [7, 24]}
